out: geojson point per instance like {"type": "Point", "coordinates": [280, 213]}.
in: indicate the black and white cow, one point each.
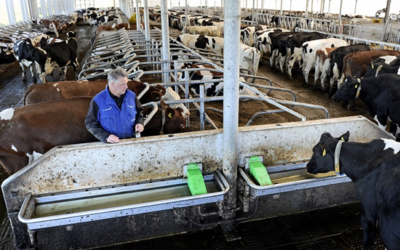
{"type": "Point", "coordinates": [380, 94]}
{"type": "Point", "coordinates": [22, 51]}
{"type": "Point", "coordinates": [374, 168]}
{"type": "Point", "coordinates": [105, 18]}
{"type": "Point", "coordinates": [55, 56]}
{"type": "Point", "coordinates": [310, 49]}
{"type": "Point", "coordinates": [337, 56]}
{"type": "Point", "coordinates": [294, 43]}
{"type": "Point", "coordinates": [206, 73]}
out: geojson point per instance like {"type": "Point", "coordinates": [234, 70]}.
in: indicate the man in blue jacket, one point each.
{"type": "Point", "coordinates": [115, 113]}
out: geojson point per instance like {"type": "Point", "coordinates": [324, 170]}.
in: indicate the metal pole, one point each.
{"type": "Point", "coordinates": [355, 8]}
{"type": "Point", "coordinates": [186, 16]}
{"type": "Point", "coordinates": [329, 7]}
{"type": "Point", "coordinates": [387, 19]}
{"type": "Point", "coordinates": [322, 8]}
{"type": "Point", "coordinates": [137, 16]}
{"type": "Point", "coordinates": [290, 8]}
{"type": "Point", "coordinates": [165, 39]}
{"type": "Point", "coordinates": [281, 8]}
{"type": "Point", "coordinates": [231, 102]}
{"type": "Point", "coordinates": [312, 6]}
{"type": "Point", "coordinates": [254, 13]}
{"type": "Point", "coordinates": [262, 6]}
{"type": "Point", "coordinates": [146, 21]}
{"type": "Point", "coordinates": [340, 14]}
{"type": "Point", "coordinates": [306, 15]}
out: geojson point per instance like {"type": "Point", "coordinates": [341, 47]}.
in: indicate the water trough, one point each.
{"type": "Point", "coordinates": [96, 194]}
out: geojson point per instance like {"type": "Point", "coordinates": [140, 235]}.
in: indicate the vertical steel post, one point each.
{"type": "Point", "coordinates": [387, 19]}
{"type": "Point", "coordinates": [231, 102]}
{"type": "Point", "coordinates": [146, 21]}
{"type": "Point", "coordinates": [329, 7]}
{"type": "Point", "coordinates": [281, 8]}
{"type": "Point", "coordinates": [186, 15]}
{"type": "Point", "coordinates": [306, 15]}
{"type": "Point", "coordinates": [340, 14]}
{"type": "Point", "coordinates": [322, 7]}
{"type": "Point", "coordinates": [137, 16]}
{"type": "Point", "coordinates": [355, 8]}
{"type": "Point", "coordinates": [312, 6]}
{"type": "Point", "coordinates": [10, 12]}
{"type": "Point", "coordinates": [201, 107]}
{"type": "Point", "coordinates": [165, 39]}
{"type": "Point", "coordinates": [253, 15]}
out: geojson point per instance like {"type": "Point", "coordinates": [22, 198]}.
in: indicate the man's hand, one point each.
{"type": "Point", "coordinates": [112, 139]}
{"type": "Point", "coordinates": [139, 127]}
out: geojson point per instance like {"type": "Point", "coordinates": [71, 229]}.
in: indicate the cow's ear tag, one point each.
{"type": "Point", "coordinates": [356, 86]}
{"type": "Point", "coordinates": [342, 139]}
{"type": "Point", "coordinates": [170, 115]}
{"type": "Point", "coordinates": [324, 152]}
{"type": "Point", "coordinates": [372, 66]}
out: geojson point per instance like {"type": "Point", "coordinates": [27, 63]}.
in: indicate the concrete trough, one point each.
{"type": "Point", "coordinates": [134, 164]}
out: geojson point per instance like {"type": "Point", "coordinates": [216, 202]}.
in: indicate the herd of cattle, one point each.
{"type": "Point", "coordinates": [334, 61]}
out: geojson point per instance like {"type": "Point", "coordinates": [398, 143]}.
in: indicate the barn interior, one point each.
{"type": "Point", "coordinates": [279, 125]}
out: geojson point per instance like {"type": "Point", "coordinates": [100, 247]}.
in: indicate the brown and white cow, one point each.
{"type": "Point", "coordinates": [51, 91]}
{"type": "Point", "coordinates": [71, 89]}
{"type": "Point", "coordinates": [357, 63]}
{"type": "Point", "coordinates": [32, 130]}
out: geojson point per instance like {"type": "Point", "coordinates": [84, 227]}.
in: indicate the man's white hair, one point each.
{"type": "Point", "coordinates": [115, 74]}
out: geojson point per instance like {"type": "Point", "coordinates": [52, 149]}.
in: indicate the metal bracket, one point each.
{"type": "Point", "coordinates": [186, 166]}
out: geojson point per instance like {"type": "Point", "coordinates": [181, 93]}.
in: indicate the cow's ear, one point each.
{"type": "Point", "coordinates": [324, 137]}
{"type": "Point", "coordinates": [170, 113]}
{"type": "Point", "coordinates": [345, 136]}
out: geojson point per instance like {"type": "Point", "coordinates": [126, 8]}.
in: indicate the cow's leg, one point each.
{"type": "Point", "coordinates": [368, 226]}
{"type": "Point", "coordinates": [382, 121]}
{"type": "Point", "coordinates": [65, 70]}
{"type": "Point", "coordinates": [340, 81]}
{"type": "Point", "coordinates": [277, 59]}
{"type": "Point", "coordinates": [323, 76]}
{"type": "Point", "coordinates": [282, 63]}
{"type": "Point", "coordinates": [32, 68]}
{"type": "Point", "coordinates": [272, 58]}
{"type": "Point", "coordinates": [306, 72]}
{"type": "Point", "coordinates": [23, 71]}
{"type": "Point", "coordinates": [316, 76]}
{"type": "Point", "coordinates": [42, 77]}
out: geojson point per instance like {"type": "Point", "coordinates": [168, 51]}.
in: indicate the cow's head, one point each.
{"type": "Point", "coordinates": [348, 90]}
{"type": "Point", "coordinates": [323, 158]}
{"type": "Point", "coordinates": [171, 95]}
